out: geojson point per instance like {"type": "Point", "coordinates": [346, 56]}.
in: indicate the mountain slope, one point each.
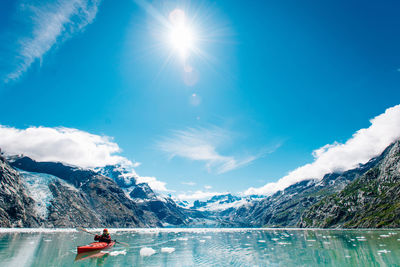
{"type": "Point", "coordinates": [371, 201]}
{"type": "Point", "coordinates": [84, 197]}
{"type": "Point", "coordinates": [284, 208]}
{"type": "Point", "coordinates": [17, 209]}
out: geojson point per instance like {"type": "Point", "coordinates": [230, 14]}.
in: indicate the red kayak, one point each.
{"type": "Point", "coordinates": [96, 246]}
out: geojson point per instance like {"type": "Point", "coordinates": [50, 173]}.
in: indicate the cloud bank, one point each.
{"type": "Point", "coordinates": [201, 144]}
{"type": "Point", "coordinates": [359, 149]}
{"type": "Point", "coordinates": [69, 146]}
{"type": "Point", "coordinates": [50, 23]}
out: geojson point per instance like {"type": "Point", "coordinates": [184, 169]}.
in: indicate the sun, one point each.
{"type": "Point", "coordinates": [181, 35]}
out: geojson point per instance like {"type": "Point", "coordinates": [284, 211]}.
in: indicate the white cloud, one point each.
{"type": "Point", "coordinates": [50, 22]}
{"type": "Point", "coordinates": [201, 144]}
{"type": "Point", "coordinates": [208, 187]}
{"type": "Point", "coordinates": [153, 183]}
{"type": "Point", "coordinates": [199, 195]}
{"type": "Point", "coordinates": [69, 146]}
{"type": "Point", "coordinates": [360, 148]}
{"type": "Point", "coordinates": [189, 183]}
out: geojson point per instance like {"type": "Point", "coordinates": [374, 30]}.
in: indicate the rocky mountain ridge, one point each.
{"type": "Point", "coordinates": [49, 194]}
{"type": "Point", "coordinates": [370, 201]}
{"type": "Point", "coordinates": [86, 198]}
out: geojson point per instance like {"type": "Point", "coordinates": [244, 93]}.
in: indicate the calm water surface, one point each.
{"type": "Point", "coordinates": [205, 247]}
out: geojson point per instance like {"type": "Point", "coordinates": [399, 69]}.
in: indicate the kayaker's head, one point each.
{"type": "Point", "coordinates": [105, 231]}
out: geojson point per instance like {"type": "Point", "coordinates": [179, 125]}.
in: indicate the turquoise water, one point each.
{"type": "Point", "coordinates": [205, 247]}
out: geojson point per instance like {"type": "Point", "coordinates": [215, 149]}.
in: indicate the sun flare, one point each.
{"type": "Point", "coordinates": [181, 35]}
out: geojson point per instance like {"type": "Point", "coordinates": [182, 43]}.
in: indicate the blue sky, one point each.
{"type": "Point", "coordinates": [270, 81]}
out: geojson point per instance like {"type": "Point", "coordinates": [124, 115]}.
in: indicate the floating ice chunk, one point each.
{"type": "Point", "coordinates": [47, 240]}
{"type": "Point", "coordinates": [311, 240]}
{"type": "Point", "coordinates": [183, 238]}
{"type": "Point", "coordinates": [347, 256]}
{"type": "Point", "coordinates": [147, 252]}
{"type": "Point", "coordinates": [275, 239]}
{"type": "Point", "coordinates": [284, 243]}
{"type": "Point", "coordinates": [383, 251]}
{"type": "Point", "coordinates": [115, 253]}
{"type": "Point", "coordinates": [261, 241]}
{"type": "Point", "coordinates": [202, 241]}
{"type": "Point", "coordinates": [167, 250]}
{"type": "Point", "coordinates": [384, 236]}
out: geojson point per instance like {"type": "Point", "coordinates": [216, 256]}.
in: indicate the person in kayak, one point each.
{"type": "Point", "coordinates": [105, 237]}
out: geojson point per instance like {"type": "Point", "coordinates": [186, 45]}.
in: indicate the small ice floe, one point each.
{"type": "Point", "coordinates": [382, 245]}
{"type": "Point", "coordinates": [202, 241]}
{"type": "Point", "coordinates": [347, 256]}
{"type": "Point", "coordinates": [383, 251]}
{"type": "Point", "coordinates": [145, 252]}
{"type": "Point", "coordinates": [361, 238]}
{"type": "Point", "coordinates": [208, 237]}
{"type": "Point", "coordinates": [167, 250]}
{"type": "Point", "coordinates": [261, 241]}
{"type": "Point", "coordinates": [326, 242]}
{"type": "Point", "coordinates": [115, 253]}
{"type": "Point", "coordinates": [183, 238]}
{"type": "Point", "coordinates": [284, 243]}
{"type": "Point", "coordinates": [352, 239]}
{"type": "Point", "coordinates": [384, 236]}
{"type": "Point", "coordinates": [275, 239]}
{"type": "Point", "coordinates": [311, 240]}
{"type": "Point", "coordinates": [32, 242]}
{"type": "Point", "coordinates": [47, 240]}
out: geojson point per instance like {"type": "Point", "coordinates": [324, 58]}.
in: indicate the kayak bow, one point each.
{"type": "Point", "coordinates": [95, 246]}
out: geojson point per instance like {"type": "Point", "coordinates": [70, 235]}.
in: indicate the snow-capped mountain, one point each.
{"type": "Point", "coordinates": [223, 202]}
{"type": "Point", "coordinates": [125, 177]}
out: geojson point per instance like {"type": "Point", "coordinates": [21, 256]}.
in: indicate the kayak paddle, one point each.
{"type": "Point", "coordinates": [86, 231]}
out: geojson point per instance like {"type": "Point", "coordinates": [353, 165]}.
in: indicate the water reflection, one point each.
{"type": "Point", "coordinates": [206, 247]}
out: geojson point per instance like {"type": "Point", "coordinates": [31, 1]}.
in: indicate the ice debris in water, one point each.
{"type": "Point", "coordinates": [202, 241]}
{"type": "Point", "coordinates": [167, 250]}
{"type": "Point", "coordinates": [147, 251]}
{"type": "Point", "coordinates": [183, 238]}
{"type": "Point", "coordinates": [383, 251]}
{"type": "Point", "coordinates": [261, 241]}
{"type": "Point", "coordinates": [115, 253]}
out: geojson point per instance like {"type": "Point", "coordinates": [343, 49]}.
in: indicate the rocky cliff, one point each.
{"type": "Point", "coordinates": [370, 201]}
{"type": "Point", "coordinates": [17, 209]}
